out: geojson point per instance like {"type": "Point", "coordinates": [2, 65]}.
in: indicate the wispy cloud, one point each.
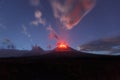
{"type": "Point", "coordinates": [71, 12]}
{"type": "Point", "coordinates": [35, 2]}
{"type": "Point", "coordinates": [38, 18]}
{"type": "Point", "coordinates": [107, 44]}
{"type": "Point", "coordinates": [25, 32]}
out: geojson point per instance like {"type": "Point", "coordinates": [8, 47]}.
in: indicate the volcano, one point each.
{"type": "Point", "coordinates": [63, 47]}
{"type": "Point", "coordinates": [67, 49]}
{"type": "Point", "coordinates": [60, 64]}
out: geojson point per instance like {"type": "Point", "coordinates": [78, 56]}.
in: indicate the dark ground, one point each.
{"type": "Point", "coordinates": [61, 66]}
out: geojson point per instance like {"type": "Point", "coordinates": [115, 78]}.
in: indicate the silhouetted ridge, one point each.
{"type": "Point", "coordinates": [63, 49]}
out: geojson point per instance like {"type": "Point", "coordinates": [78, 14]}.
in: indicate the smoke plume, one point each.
{"type": "Point", "coordinates": [71, 12]}
{"type": "Point", "coordinates": [52, 34]}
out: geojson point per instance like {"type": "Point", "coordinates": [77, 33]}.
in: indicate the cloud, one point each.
{"type": "Point", "coordinates": [52, 34]}
{"type": "Point", "coordinates": [35, 2]}
{"type": "Point", "coordinates": [7, 44]}
{"type": "Point", "coordinates": [38, 18]}
{"type": "Point", "coordinates": [38, 14]}
{"type": "Point", "coordinates": [108, 44]}
{"type": "Point", "coordinates": [71, 12]}
{"type": "Point", "coordinates": [115, 51]}
{"type": "Point", "coordinates": [25, 32]}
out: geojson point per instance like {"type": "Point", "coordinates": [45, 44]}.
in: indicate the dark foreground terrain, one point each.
{"type": "Point", "coordinates": [61, 66]}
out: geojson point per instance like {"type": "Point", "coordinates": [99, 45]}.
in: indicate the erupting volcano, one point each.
{"type": "Point", "coordinates": [63, 46]}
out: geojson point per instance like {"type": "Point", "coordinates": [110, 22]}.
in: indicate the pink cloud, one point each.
{"type": "Point", "coordinates": [52, 34]}
{"type": "Point", "coordinates": [71, 12]}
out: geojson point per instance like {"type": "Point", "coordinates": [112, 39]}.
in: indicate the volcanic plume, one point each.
{"type": "Point", "coordinates": [71, 12]}
{"type": "Point", "coordinates": [68, 13]}
{"type": "Point", "coordinates": [52, 34]}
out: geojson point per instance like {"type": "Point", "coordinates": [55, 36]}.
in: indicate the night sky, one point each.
{"type": "Point", "coordinates": [25, 23]}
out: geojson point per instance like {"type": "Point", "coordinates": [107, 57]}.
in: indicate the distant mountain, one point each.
{"type": "Point", "coordinates": [20, 53]}
{"type": "Point", "coordinates": [13, 53]}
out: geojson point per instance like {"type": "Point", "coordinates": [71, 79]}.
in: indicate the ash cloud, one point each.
{"type": "Point", "coordinates": [108, 44]}
{"type": "Point", "coordinates": [71, 12]}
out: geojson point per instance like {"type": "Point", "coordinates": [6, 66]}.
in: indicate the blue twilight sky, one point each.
{"type": "Point", "coordinates": [25, 23]}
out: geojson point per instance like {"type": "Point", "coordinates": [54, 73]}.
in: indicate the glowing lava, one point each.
{"type": "Point", "coordinates": [62, 46]}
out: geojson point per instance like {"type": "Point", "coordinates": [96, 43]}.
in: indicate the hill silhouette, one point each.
{"type": "Point", "coordinates": [60, 65]}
